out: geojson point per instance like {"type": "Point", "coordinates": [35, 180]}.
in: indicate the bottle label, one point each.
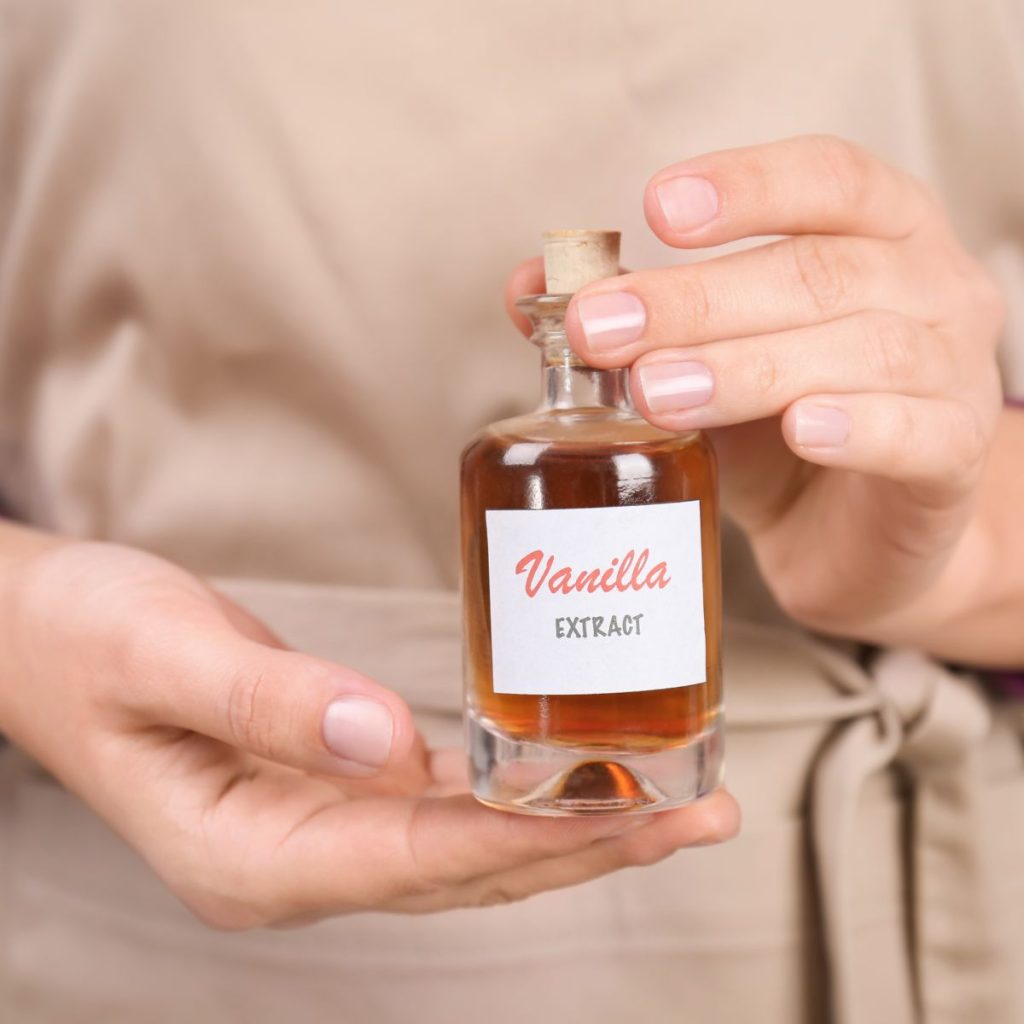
{"type": "Point", "coordinates": [596, 600]}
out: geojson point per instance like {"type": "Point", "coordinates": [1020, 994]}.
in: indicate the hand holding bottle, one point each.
{"type": "Point", "coordinates": [264, 785]}
{"type": "Point", "coordinates": [847, 373]}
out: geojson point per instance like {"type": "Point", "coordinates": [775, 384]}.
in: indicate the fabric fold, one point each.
{"type": "Point", "coordinates": [931, 723]}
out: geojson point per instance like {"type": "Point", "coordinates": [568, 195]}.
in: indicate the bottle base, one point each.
{"type": "Point", "coordinates": [537, 778]}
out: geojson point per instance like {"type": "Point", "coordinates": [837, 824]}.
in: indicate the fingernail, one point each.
{"type": "Point", "coordinates": [359, 731]}
{"type": "Point", "coordinates": [820, 426]}
{"type": "Point", "coordinates": [672, 387]}
{"type": "Point", "coordinates": [611, 319]}
{"type": "Point", "coordinates": [687, 202]}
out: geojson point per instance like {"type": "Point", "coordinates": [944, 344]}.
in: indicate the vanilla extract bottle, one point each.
{"type": "Point", "coordinates": [591, 586]}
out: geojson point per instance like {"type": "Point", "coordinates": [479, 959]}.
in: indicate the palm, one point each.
{"type": "Point", "coordinates": [257, 815]}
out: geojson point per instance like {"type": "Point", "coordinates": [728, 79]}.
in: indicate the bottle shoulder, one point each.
{"type": "Point", "coordinates": [582, 427]}
{"type": "Point", "coordinates": [578, 434]}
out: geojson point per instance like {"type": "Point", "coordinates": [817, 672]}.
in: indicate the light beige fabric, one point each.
{"type": "Point", "coordinates": [250, 308]}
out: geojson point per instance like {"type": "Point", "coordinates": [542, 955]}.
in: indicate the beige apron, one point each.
{"type": "Point", "coordinates": [250, 308]}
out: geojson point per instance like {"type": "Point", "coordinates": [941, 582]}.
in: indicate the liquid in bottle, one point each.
{"type": "Point", "coordinates": [591, 586]}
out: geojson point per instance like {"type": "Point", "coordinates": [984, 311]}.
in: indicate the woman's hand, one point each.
{"type": "Point", "coordinates": [265, 786]}
{"type": "Point", "coordinates": [847, 373]}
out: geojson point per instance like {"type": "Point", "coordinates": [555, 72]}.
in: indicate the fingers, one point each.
{"type": "Point", "coordinates": [455, 842]}
{"type": "Point", "coordinates": [939, 443]}
{"type": "Point", "coordinates": [280, 705]}
{"type": "Point", "coordinates": [808, 184]}
{"type": "Point", "coordinates": [329, 856]}
{"type": "Point", "coordinates": [746, 379]}
{"type": "Point", "coordinates": [712, 820]}
{"type": "Point", "coordinates": [792, 283]}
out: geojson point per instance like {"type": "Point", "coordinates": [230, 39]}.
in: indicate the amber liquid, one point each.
{"type": "Point", "coordinates": [587, 459]}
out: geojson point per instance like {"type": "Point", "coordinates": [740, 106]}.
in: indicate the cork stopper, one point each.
{"type": "Point", "coordinates": [575, 258]}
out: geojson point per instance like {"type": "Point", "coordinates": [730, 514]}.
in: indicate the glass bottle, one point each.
{"type": "Point", "coordinates": [591, 587]}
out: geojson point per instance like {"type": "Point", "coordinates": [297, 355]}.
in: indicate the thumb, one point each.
{"type": "Point", "coordinates": [282, 705]}
{"type": "Point", "coordinates": [526, 279]}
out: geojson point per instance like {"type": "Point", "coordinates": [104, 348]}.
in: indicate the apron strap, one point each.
{"type": "Point", "coordinates": [930, 722]}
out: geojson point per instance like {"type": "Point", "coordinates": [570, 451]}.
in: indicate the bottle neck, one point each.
{"type": "Point", "coordinates": [566, 381]}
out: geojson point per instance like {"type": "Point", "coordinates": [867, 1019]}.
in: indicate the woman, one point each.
{"type": "Point", "coordinates": [249, 276]}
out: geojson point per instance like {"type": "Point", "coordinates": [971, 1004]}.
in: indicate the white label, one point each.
{"type": "Point", "coordinates": [596, 600]}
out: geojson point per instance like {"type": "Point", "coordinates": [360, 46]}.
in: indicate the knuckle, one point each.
{"type": "Point", "coordinates": [808, 605]}
{"type": "Point", "coordinates": [989, 299]}
{"type": "Point", "coordinates": [904, 429]}
{"type": "Point", "coordinates": [694, 308]}
{"type": "Point", "coordinates": [764, 371]}
{"type": "Point", "coordinates": [823, 271]}
{"type": "Point", "coordinates": [845, 168]}
{"type": "Point", "coordinates": [973, 295]}
{"type": "Point", "coordinates": [421, 876]}
{"type": "Point", "coordinates": [248, 724]}
{"type": "Point", "coordinates": [968, 441]}
{"type": "Point", "coordinates": [892, 349]}
{"type": "Point", "coordinates": [790, 598]}
{"type": "Point", "coordinates": [990, 396]}
{"type": "Point", "coordinates": [904, 433]}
